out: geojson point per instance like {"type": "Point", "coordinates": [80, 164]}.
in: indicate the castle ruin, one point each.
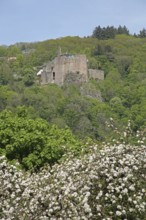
{"type": "Point", "coordinates": [68, 68]}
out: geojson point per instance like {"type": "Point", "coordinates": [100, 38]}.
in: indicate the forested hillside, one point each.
{"type": "Point", "coordinates": [75, 151]}
{"type": "Point", "coordinates": [86, 107]}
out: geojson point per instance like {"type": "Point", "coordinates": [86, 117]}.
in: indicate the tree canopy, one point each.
{"type": "Point", "coordinates": [84, 108]}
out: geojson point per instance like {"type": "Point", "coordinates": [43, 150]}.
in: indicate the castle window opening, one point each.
{"type": "Point", "coordinates": [53, 75]}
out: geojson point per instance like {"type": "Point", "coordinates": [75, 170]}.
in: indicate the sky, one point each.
{"type": "Point", "coordinates": [38, 20]}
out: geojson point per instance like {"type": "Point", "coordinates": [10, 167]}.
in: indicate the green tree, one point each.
{"type": "Point", "coordinates": [6, 75]}
{"type": "Point", "coordinates": [122, 30]}
{"type": "Point", "coordinates": [13, 51]}
{"type": "Point", "coordinates": [142, 33]}
{"type": "Point", "coordinates": [104, 33]}
{"type": "Point", "coordinates": [33, 142]}
{"type": "Point", "coordinates": [123, 64]}
{"type": "Point", "coordinates": [29, 77]}
{"type": "Point", "coordinates": [8, 98]}
{"type": "Point", "coordinates": [117, 107]}
{"type": "Point", "coordinates": [3, 51]}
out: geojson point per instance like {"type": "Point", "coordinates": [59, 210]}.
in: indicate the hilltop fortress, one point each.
{"type": "Point", "coordinates": [68, 68]}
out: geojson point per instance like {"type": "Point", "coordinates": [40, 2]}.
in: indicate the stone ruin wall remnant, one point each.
{"type": "Point", "coordinates": [56, 70]}
{"type": "Point", "coordinates": [96, 74]}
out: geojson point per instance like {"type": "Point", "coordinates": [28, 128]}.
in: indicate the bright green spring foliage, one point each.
{"type": "Point", "coordinates": [84, 108]}
{"type": "Point", "coordinates": [33, 142]}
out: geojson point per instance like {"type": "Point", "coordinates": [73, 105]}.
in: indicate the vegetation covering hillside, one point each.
{"type": "Point", "coordinates": [77, 151]}
{"type": "Point", "coordinates": [84, 108]}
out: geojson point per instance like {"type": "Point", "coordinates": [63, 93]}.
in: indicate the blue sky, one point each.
{"type": "Point", "coordinates": [38, 20]}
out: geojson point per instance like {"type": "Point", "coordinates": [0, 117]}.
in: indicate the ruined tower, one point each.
{"type": "Point", "coordinates": [66, 68]}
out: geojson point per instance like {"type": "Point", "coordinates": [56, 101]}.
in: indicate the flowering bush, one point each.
{"type": "Point", "coordinates": [106, 184]}
{"type": "Point", "coordinates": [126, 135]}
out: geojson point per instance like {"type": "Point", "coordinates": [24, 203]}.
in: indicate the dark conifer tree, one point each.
{"type": "Point", "coordinates": [122, 30]}
{"type": "Point", "coordinates": [142, 33]}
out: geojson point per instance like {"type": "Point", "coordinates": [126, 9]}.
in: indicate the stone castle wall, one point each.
{"type": "Point", "coordinates": [66, 64]}
{"type": "Point", "coordinates": [96, 74]}
{"type": "Point", "coordinates": [57, 70]}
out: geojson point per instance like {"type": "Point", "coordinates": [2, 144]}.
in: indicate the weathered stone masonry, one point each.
{"type": "Point", "coordinates": [58, 69]}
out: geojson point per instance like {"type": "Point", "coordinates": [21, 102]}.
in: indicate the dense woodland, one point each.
{"type": "Point", "coordinates": [84, 109]}
{"type": "Point", "coordinates": [74, 127]}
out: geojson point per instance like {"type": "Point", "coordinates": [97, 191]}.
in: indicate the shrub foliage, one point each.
{"type": "Point", "coordinates": [33, 142]}
{"type": "Point", "coordinates": [105, 184]}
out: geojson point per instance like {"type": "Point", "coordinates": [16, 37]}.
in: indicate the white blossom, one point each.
{"type": "Point", "coordinates": [118, 213]}
{"type": "Point", "coordinates": [81, 188]}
